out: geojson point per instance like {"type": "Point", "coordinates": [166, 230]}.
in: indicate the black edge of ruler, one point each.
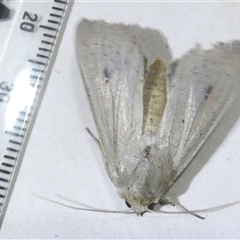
{"type": "Point", "coordinates": [15, 150]}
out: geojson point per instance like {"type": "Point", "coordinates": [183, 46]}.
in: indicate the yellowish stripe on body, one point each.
{"type": "Point", "coordinates": [154, 97]}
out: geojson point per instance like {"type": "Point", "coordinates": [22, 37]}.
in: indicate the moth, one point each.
{"type": "Point", "coordinates": [152, 122]}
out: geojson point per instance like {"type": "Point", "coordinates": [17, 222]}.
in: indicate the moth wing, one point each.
{"type": "Point", "coordinates": [112, 68]}
{"type": "Point", "coordinates": [203, 85]}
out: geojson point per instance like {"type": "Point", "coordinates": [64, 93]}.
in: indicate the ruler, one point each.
{"type": "Point", "coordinates": [30, 32]}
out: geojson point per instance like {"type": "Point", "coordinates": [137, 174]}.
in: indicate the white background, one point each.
{"type": "Point", "coordinates": [61, 158]}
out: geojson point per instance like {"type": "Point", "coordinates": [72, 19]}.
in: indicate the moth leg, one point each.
{"type": "Point", "coordinates": [95, 139]}
{"type": "Point", "coordinates": [167, 201]}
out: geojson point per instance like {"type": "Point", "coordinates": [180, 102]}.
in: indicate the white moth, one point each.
{"type": "Point", "coordinates": [151, 125]}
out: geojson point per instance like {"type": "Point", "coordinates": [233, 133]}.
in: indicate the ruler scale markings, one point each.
{"type": "Point", "coordinates": [42, 56]}
{"type": "Point", "coordinates": [34, 77]}
{"type": "Point", "coordinates": [16, 132]}
{"type": "Point", "coordinates": [13, 134]}
{"type": "Point", "coordinates": [49, 35]}
{"type": "Point", "coordinates": [52, 21]}
{"type": "Point", "coordinates": [36, 62]}
{"type": "Point", "coordinates": [60, 1]}
{"type": "Point", "coordinates": [21, 120]}
{"type": "Point", "coordinates": [37, 70]}
{"type": "Point", "coordinates": [58, 9]}
{"type": "Point", "coordinates": [19, 128]}
{"type": "Point", "coordinates": [46, 42]}
{"type": "Point", "coordinates": [44, 49]}
{"type": "Point", "coordinates": [7, 165]}
{"type": "Point", "coordinates": [23, 113]}
{"type": "Point", "coordinates": [48, 28]}
{"type": "Point", "coordinates": [3, 180]}
{"type": "Point", "coordinates": [55, 15]}
{"type": "Point", "coordinates": [9, 157]}
{"type": "Point", "coordinates": [12, 149]}
{"type": "Point", "coordinates": [15, 142]}
{"type": "Point", "coordinates": [4, 171]}
{"type": "Point", "coordinates": [32, 84]}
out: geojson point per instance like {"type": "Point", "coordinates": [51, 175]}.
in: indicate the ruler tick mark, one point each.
{"type": "Point", "coordinates": [37, 70]}
{"type": "Point", "coordinates": [42, 56]}
{"type": "Point", "coordinates": [7, 164]}
{"type": "Point", "coordinates": [23, 113]}
{"type": "Point", "coordinates": [46, 42]}
{"type": "Point", "coordinates": [60, 1]}
{"type": "Point", "coordinates": [48, 28]}
{"type": "Point", "coordinates": [58, 9]}
{"type": "Point", "coordinates": [14, 142]}
{"type": "Point", "coordinates": [34, 77]}
{"type": "Point", "coordinates": [14, 134]}
{"type": "Point", "coordinates": [48, 35]}
{"type": "Point", "coordinates": [19, 128]}
{"type": "Point", "coordinates": [12, 149]}
{"type": "Point", "coordinates": [52, 21]}
{"type": "Point", "coordinates": [3, 180]}
{"type": "Point", "coordinates": [44, 49]}
{"type": "Point", "coordinates": [21, 120]}
{"type": "Point", "coordinates": [9, 157]}
{"type": "Point", "coordinates": [55, 15]}
{"type": "Point", "coordinates": [36, 62]}
{"type": "Point", "coordinates": [4, 171]}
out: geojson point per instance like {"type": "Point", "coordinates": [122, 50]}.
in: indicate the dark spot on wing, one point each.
{"type": "Point", "coordinates": [106, 75]}
{"type": "Point", "coordinates": [173, 68]}
{"type": "Point", "coordinates": [208, 91]}
{"type": "Point", "coordinates": [145, 65]}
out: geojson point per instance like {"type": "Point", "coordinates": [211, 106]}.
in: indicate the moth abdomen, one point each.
{"type": "Point", "coordinates": [154, 97]}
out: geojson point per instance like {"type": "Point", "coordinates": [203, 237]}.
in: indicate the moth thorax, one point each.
{"type": "Point", "coordinates": [154, 97]}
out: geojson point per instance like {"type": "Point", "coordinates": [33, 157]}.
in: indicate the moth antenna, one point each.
{"type": "Point", "coordinates": [169, 202]}
{"type": "Point", "coordinates": [193, 212]}
{"type": "Point", "coordinates": [89, 209]}
{"type": "Point", "coordinates": [217, 208]}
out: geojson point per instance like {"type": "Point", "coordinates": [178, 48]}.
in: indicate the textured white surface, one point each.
{"type": "Point", "coordinates": [61, 158]}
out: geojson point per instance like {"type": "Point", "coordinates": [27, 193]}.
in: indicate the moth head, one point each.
{"type": "Point", "coordinates": [140, 210]}
{"type": "Point", "coordinates": [138, 205]}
